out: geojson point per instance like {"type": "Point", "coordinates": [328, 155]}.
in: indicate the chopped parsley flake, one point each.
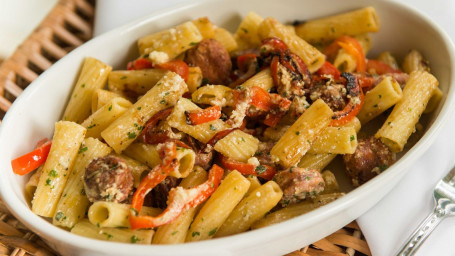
{"type": "Point", "coordinates": [193, 43]}
{"type": "Point", "coordinates": [134, 239]}
{"type": "Point", "coordinates": [162, 101]}
{"type": "Point", "coordinates": [53, 173]}
{"type": "Point", "coordinates": [83, 85]}
{"type": "Point", "coordinates": [245, 30]}
{"type": "Point", "coordinates": [352, 137]}
{"type": "Point", "coordinates": [131, 135]}
{"type": "Point", "coordinates": [195, 233]}
{"type": "Point", "coordinates": [260, 169]}
{"type": "Point", "coordinates": [173, 233]}
{"type": "Point", "coordinates": [383, 167]}
{"type": "Point", "coordinates": [139, 108]}
{"type": "Point", "coordinates": [91, 126]}
{"type": "Point", "coordinates": [212, 127]}
{"type": "Point", "coordinates": [60, 216]}
{"type": "Point", "coordinates": [82, 150]}
{"type": "Point", "coordinates": [243, 139]}
{"type": "Point", "coordinates": [123, 77]}
{"type": "Point", "coordinates": [380, 96]}
{"type": "Point", "coordinates": [375, 105]}
{"type": "Point", "coordinates": [213, 231]}
{"type": "Point", "coordinates": [110, 108]}
{"type": "Point", "coordinates": [297, 133]}
{"type": "Point", "coordinates": [109, 236]}
{"type": "Point", "coordinates": [48, 182]}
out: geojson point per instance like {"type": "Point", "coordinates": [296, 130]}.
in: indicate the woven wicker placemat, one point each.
{"type": "Point", "coordinates": [67, 26]}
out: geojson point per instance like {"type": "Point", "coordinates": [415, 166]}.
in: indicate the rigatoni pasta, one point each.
{"type": "Point", "coordinates": [163, 156]}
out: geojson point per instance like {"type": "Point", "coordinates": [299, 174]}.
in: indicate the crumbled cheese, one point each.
{"type": "Point", "coordinates": [158, 57]}
{"type": "Point", "coordinates": [254, 161]}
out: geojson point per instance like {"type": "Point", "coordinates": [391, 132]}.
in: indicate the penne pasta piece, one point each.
{"type": "Point", "coordinates": [400, 124]}
{"type": "Point", "coordinates": [389, 59]}
{"type": "Point", "coordinates": [202, 132]}
{"type": "Point", "coordinates": [123, 235]}
{"type": "Point", "coordinates": [262, 79]}
{"type": "Point", "coordinates": [148, 154]}
{"type": "Point", "coordinates": [312, 57]}
{"type": "Point", "coordinates": [194, 79]}
{"type": "Point", "coordinates": [101, 97]}
{"type": "Point", "coordinates": [205, 27]}
{"type": "Point", "coordinates": [316, 161]}
{"type": "Point", "coordinates": [345, 62]}
{"type": "Point", "coordinates": [104, 116]}
{"type": "Point", "coordinates": [226, 39]}
{"type": "Point", "coordinates": [217, 209]}
{"type": "Point", "coordinates": [32, 183]}
{"type": "Point", "coordinates": [172, 41]}
{"type": "Point", "coordinates": [254, 184]}
{"type": "Point", "coordinates": [298, 138]}
{"type": "Point", "coordinates": [115, 215]}
{"type": "Point", "coordinates": [352, 23]}
{"type": "Point", "coordinates": [335, 140]}
{"type": "Point", "coordinates": [67, 139]}
{"type": "Point", "coordinates": [295, 210]}
{"type": "Point", "coordinates": [383, 96]}
{"type": "Point", "coordinates": [331, 183]}
{"type": "Point", "coordinates": [133, 83]}
{"type": "Point", "coordinates": [433, 103]}
{"type": "Point", "coordinates": [176, 231]}
{"type": "Point", "coordinates": [252, 208]}
{"type": "Point", "coordinates": [125, 129]}
{"type": "Point", "coordinates": [237, 145]}
{"type": "Point", "coordinates": [414, 61]}
{"type": "Point", "coordinates": [73, 203]}
{"type": "Point", "coordinates": [215, 95]}
{"type": "Point", "coordinates": [93, 76]}
{"type": "Point", "coordinates": [248, 30]}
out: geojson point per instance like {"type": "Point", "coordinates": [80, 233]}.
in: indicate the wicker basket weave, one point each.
{"type": "Point", "coordinates": [67, 26]}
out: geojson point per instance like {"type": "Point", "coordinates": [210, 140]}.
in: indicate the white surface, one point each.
{"type": "Point", "coordinates": [28, 112]}
{"type": "Point", "coordinates": [17, 20]}
{"type": "Point", "coordinates": [388, 224]}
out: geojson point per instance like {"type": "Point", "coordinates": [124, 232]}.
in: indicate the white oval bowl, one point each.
{"type": "Point", "coordinates": [34, 113]}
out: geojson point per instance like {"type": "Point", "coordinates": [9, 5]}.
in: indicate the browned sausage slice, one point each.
{"type": "Point", "coordinates": [213, 59]}
{"type": "Point", "coordinates": [370, 158]}
{"type": "Point", "coordinates": [299, 183]}
{"type": "Point", "coordinates": [108, 179]}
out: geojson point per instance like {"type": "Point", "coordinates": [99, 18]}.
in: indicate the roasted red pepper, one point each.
{"type": "Point", "coordinates": [177, 66]}
{"type": "Point", "coordinates": [264, 171]}
{"type": "Point", "coordinates": [355, 102]}
{"type": "Point", "coordinates": [201, 116]}
{"type": "Point", "coordinates": [351, 46]}
{"type": "Point", "coordinates": [32, 160]}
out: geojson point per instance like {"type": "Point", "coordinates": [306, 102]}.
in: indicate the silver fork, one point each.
{"type": "Point", "coordinates": [444, 197]}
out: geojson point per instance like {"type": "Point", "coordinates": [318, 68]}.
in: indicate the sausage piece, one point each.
{"type": "Point", "coordinates": [108, 179]}
{"type": "Point", "coordinates": [298, 184]}
{"type": "Point", "coordinates": [159, 194]}
{"type": "Point", "coordinates": [370, 158]}
{"type": "Point", "coordinates": [213, 60]}
{"type": "Point", "coordinates": [334, 95]}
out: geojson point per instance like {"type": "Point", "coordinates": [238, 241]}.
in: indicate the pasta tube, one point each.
{"type": "Point", "coordinates": [125, 129]}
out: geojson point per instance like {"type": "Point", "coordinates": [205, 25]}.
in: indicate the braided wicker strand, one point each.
{"type": "Point", "coordinates": [67, 26]}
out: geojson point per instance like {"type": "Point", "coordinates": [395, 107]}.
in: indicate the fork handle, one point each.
{"type": "Point", "coordinates": [422, 232]}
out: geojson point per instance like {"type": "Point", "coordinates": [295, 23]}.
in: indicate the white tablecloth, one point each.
{"type": "Point", "coordinates": [387, 225]}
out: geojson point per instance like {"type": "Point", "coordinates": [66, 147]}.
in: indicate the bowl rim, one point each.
{"type": "Point", "coordinates": [46, 229]}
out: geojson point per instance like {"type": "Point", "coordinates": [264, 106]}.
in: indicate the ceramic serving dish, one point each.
{"type": "Point", "coordinates": [34, 113]}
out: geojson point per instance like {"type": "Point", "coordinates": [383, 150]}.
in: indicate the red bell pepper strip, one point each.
{"type": "Point", "coordinates": [328, 69]}
{"type": "Point", "coordinates": [32, 160]}
{"type": "Point", "coordinates": [380, 67]}
{"type": "Point", "coordinates": [264, 171]}
{"type": "Point", "coordinates": [141, 63]}
{"type": "Point", "coordinates": [179, 200]}
{"type": "Point", "coordinates": [201, 116]}
{"type": "Point", "coordinates": [351, 46]}
{"type": "Point", "coordinates": [260, 98]}
{"type": "Point", "coordinates": [279, 108]}
{"type": "Point", "coordinates": [177, 66]}
{"type": "Point", "coordinates": [272, 45]}
{"type": "Point", "coordinates": [355, 102]}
